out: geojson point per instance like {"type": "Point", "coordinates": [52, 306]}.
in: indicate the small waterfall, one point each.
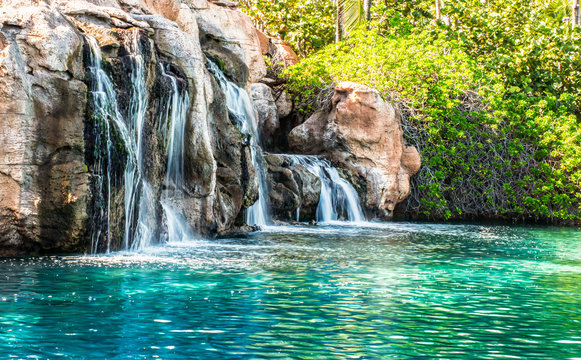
{"type": "Point", "coordinates": [110, 124]}
{"type": "Point", "coordinates": [172, 129]}
{"type": "Point", "coordinates": [242, 115]}
{"type": "Point", "coordinates": [338, 199]}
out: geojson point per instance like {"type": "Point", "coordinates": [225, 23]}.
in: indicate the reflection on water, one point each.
{"type": "Point", "coordinates": [389, 291]}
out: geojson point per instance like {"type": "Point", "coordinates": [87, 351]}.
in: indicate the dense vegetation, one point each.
{"type": "Point", "coordinates": [490, 93]}
{"type": "Point", "coordinates": [308, 25]}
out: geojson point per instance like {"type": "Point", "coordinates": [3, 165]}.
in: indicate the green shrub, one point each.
{"type": "Point", "coordinates": [493, 143]}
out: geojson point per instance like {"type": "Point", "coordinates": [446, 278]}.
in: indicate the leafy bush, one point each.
{"type": "Point", "coordinates": [497, 129]}
{"type": "Point", "coordinates": [308, 25]}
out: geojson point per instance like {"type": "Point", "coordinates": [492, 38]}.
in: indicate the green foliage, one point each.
{"type": "Point", "coordinates": [308, 25]}
{"type": "Point", "coordinates": [493, 114]}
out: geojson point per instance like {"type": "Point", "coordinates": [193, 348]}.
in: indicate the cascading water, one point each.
{"type": "Point", "coordinates": [138, 198]}
{"type": "Point", "coordinates": [242, 113]}
{"type": "Point", "coordinates": [105, 112]}
{"type": "Point", "coordinates": [139, 217]}
{"type": "Point", "coordinates": [338, 198]}
{"type": "Point", "coordinates": [172, 130]}
{"type": "Point", "coordinates": [114, 131]}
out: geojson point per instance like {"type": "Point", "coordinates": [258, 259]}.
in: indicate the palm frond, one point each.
{"type": "Point", "coordinates": [352, 14]}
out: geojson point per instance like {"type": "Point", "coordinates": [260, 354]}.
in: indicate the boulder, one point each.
{"type": "Point", "coordinates": [291, 187]}
{"type": "Point", "coordinates": [362, 133]}
{"type": "Point", "coordinates": [283, 53]}
{"type": "Point", "coordinates": [284, 103]}
{"type": "Point", "coordinates": [267, 114]}
{"type": "Point", "coordinates": [227, 34]}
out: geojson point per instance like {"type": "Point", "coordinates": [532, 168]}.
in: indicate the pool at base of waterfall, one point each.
{"type": "Point", "coordinates": [373, 291]}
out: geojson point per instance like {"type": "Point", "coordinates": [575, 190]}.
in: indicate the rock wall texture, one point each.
{"type": "Point", "coordinates": [292, 187]}
{"type": "Point", "coordinates": [43, 177]}
{"type": "Point", "coordinates": [362, 134]}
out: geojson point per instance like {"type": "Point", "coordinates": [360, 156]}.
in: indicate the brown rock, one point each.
{"type": "Point", "coordinates": [264, 42]}
{"type": "Point", "coordinates": [228, 34]}
{"type": "Point", "coordinates": [169, 9]}
{"type": "Point", "coordinates": [291, 187]}
{"type": "Point", "coordinates": [267, 112]}
{"type": "Point", "coordinates": [362, 133]}
{"type": "Point", "coordinates": [43, 179]}
{"type": "Point", "coordinates": [45, 165]}
{"type": "Point", "coordinates": [284, 53]}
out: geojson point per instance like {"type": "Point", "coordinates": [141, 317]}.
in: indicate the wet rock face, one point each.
{"type": "Point", "coordinates": [291, 187]}
{"type": "Point", "coordinates": [362, 133]}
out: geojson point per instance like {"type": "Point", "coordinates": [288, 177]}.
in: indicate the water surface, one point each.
{"type": "Point", "coordinates": [386, 291]}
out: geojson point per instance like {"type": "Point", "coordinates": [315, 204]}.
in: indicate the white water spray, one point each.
{"type": "Point", "coordinates": [138, 199]}
{"type": "Point", "coordinates": [338, 198]}
{"type": "Point", "coordinates": [172, 130]}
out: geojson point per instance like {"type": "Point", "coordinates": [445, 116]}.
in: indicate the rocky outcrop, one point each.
{"type": "Point", "coordinates": [227, 34]}
{"type": "Point", "coordinates": [43, 177]}
{"type": "Point", "coordinates": [266, 111]}
{"type": "Point", "coordinates": [47, 158]}
{"type": "Point", "coordinates": [362, 134]}
{"type": "Point", "coordinates": [282, 53]}
{"type": "Point", "coordinates": [292, 187]}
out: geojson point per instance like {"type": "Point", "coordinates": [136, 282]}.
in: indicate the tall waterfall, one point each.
{"type": "Point", "coordinates": [338, 199]}
{"type": "Point", "coordinates": [138, 199]}
{"type": "Point", "coordinates": [138, 192]}
{"type": "Point", "coordinates": [172, 128]}
{"type": "Point", "coordinates": [242, 114]}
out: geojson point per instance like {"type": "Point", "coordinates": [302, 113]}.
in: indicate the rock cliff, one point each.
{"type": "Point", "coordinates": [48, 166]}
{"type": "Point", "coordinates": [116, 133]}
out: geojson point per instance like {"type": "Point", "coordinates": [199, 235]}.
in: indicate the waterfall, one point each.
{"type": "Point", "coordinates": [139, 217]}
{"type": "Point", "coordinates": [105, 111]}
{"type": "Point", "coordinates": [172, 129]}
{"type": "Point", "coordinates": [242, 115]}
{"type": "Point", "coordinates": [338, 198]}
{"type": "Point", "coordinates": [138, 197]}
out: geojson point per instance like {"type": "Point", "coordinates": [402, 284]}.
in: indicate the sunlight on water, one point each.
{"type": "Point", "coordinates": [379, 291]}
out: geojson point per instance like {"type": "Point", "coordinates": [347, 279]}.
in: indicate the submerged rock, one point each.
{"type": "Point", "coordinates": [362, 133]}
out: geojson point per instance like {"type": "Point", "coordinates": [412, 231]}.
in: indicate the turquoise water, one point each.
{"type": "Point", "coordinates": [391, 291]}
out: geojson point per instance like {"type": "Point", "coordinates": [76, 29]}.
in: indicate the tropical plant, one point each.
{"type": "Point", "coordinates": [492, 106]}
{"type": "Point", "coordinates": [308, 25]}
{"type": "Point", "coordinates": [350, 15]}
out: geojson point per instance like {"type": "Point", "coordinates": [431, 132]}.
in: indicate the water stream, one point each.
{"type": "Point", "coordinates": [139, 196]}
{"type": "Point", "coordinates": [173, 130]}
{"type": "Point", "coordinates": [242, 114]}
{"type": "Point", "coordinates": [110, 122]}
{"type": "Point", "coordinates": [338, 200]}
{"type": "Point", "coordinates": [139, 222]}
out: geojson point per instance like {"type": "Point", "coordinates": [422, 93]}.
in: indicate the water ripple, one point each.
{"type": "Point", "coordinates": [370, 291]}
